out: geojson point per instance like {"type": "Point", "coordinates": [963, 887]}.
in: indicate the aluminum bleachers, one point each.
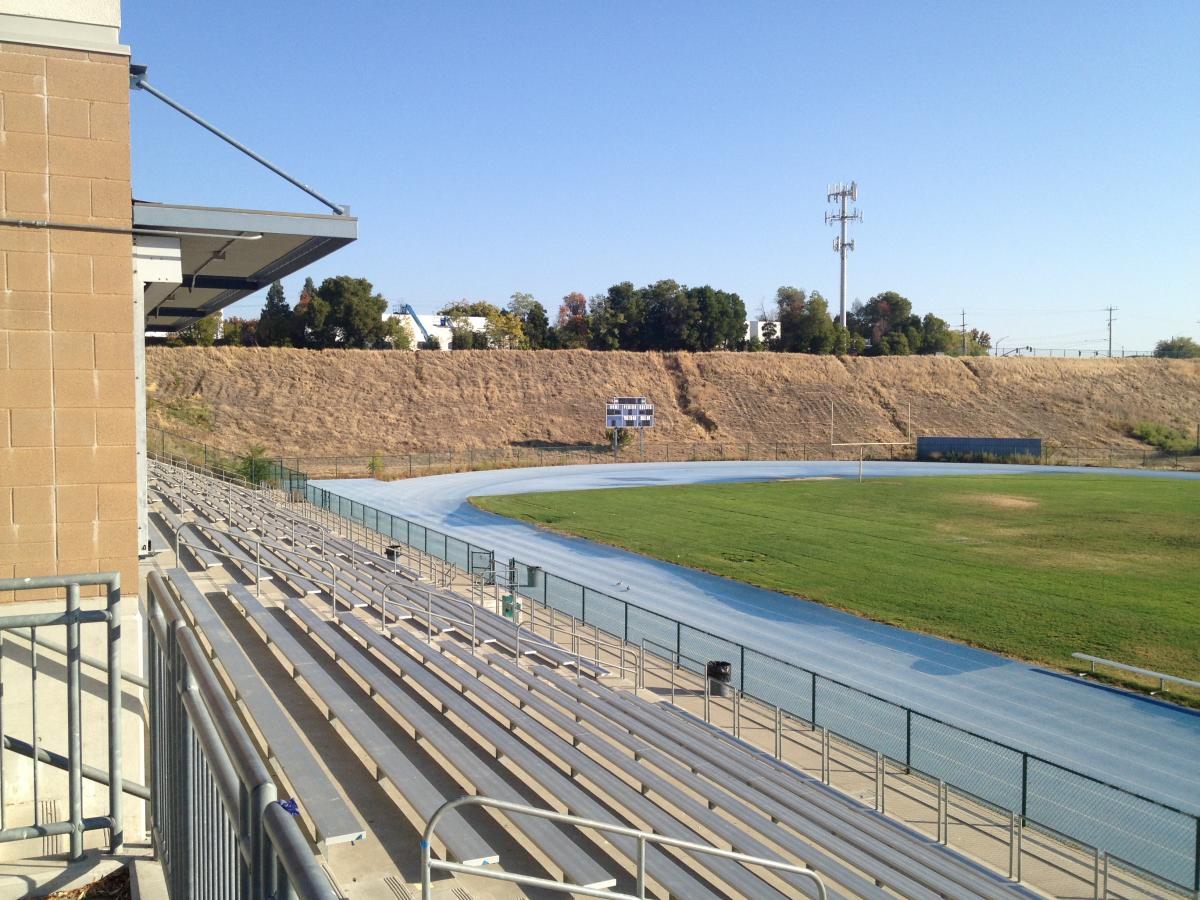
{"type": "Point", "coordinates": [463, 842]}
{"type": "Point", "coordinates": [872, 843]}
{"type": "Point", "coordinates": [174, 526]}
{"type": "Point", "coordinates": [472, 687]}
{"type": "Point", "coordinates": [319, 799]}
{"type": "Point", "coordinates": [476, 700]}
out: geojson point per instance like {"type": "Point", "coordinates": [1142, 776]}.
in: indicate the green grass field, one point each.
{"type": "Point", "coordinates": [1035, 567]}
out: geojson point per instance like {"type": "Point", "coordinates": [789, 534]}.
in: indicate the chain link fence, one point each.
{"type": "Point", "coordinates": [291, 471]}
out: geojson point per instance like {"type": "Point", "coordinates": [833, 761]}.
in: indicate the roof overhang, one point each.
{"type": "Point", "coordinates": [228, 254]}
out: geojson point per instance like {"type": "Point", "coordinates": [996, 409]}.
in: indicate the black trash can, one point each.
{"type": "Point", "coordinates": [720, 674]}
{"type": "Point", "coordinates": [392, 552]}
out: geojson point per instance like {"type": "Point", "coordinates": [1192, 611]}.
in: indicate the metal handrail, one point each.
{"type": "Point", "coordinates": [73, 617]}
{"type": "Point", "coordinates": [265, 840]}
{"type": "Point", "coordinates": [614, 646]}
{"type": "Point", "coordinates": [1125, 667]}
{"type": "Point", "coordinates": [428, 864]}
{"type": "Point", "coordinates": [182, 462]}
{"type": "Point", "coordinates": [305, 876]}
{"type": "Point", "coordinates": [84, 658]}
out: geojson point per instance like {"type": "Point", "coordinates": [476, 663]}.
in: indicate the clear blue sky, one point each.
{"type": "Point", "coordinates": [1032, 162]}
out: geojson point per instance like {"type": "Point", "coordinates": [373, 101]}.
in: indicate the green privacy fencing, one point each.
{"type": "Point", "coordinates": [1152, 838]}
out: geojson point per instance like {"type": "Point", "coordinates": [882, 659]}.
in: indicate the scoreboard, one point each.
{"type": "Point", "coordinates": [629, 412]}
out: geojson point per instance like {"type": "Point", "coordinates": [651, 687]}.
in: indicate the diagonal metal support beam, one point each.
{"type": "Point", "coordinates": [137, 81]}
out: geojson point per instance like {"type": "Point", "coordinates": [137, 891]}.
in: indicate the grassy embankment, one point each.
{"type": "Point", "coordinates": [1034, 567]}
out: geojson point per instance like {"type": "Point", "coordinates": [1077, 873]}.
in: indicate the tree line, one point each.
{"type": "Point", "coordinates": [663, 316]}
{"type": "Point", "coordinates": [1177, 348]}
{"type": "Point", "coordinates": [342, 312]}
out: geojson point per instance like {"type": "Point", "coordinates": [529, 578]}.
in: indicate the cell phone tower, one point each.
{"type": "Point", "coordinates": [840, 193]}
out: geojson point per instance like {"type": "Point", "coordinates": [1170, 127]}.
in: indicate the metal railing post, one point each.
{"type": "Point", "coordinates": [943, 814]}
{"type": "Point", "coordinates": [879, 781]}
{"type": "Point", "coordinates": [641, 867]}
{"type": "Point", "coordinates": [1012, 842]}
{"type": "Point", "coordinates": [674, 666]}
{"type": "Point", "coordinates": [33, 723]}
{"type": "Point", "coordinates": [1020, 836]}
{"type": "Point", "coordinates": [824, 754]}
{"type": "Point", "coordinates": [74, 732]}
{"type": "Point", "coordinates": [333, 592]}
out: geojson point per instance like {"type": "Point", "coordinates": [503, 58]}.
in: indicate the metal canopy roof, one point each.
{"type": "Point", "coordinates": [220, 266]}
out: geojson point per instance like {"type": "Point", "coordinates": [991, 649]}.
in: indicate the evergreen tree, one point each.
{"type": "Point", "coordinates": [275, 320]}
{"type": "Point", "coordinates": [537, 327]}
{"type": "Point", "coordinates": [300, 315]}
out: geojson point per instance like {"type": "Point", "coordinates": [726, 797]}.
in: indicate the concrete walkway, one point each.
{"type": "Point", "coordinates": [1136, 743]}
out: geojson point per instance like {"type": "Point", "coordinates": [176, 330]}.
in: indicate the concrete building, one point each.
{"type": "Point", "coordinates": [68, 485]}
{"type": "Point", "coordinates": [424, 326]}
{"type": "Point", "coordinates": [755, 329]}
{"type": "Point", "coordinates": [83, 270]}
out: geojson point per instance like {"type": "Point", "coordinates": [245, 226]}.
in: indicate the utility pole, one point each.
{"type": "Point", "coordinates": [1111, 310]}
{"type": "Point", "coordinates": [964, 331]}
{"type": "Point", "coordinates": [841, 193]}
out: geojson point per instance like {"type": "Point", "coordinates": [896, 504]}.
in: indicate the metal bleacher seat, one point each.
{"type": "Point", "coordinates": [188, 533]}
{"type": "Point", "coordinates": [811, 798]}
{"type": "Point", "coordinates": [549, 838]}
{"type": "Point", "coordinates": [463, 842]}
{"type": "Point", "coordinates": [318, 798]}
{"type": "Point", "coordinates": [894, 856]}
{"type": "Point", "coordinates": [480, 702]}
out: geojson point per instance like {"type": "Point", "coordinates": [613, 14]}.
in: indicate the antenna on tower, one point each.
{"type": "Point", "coordinates": [840, 193]}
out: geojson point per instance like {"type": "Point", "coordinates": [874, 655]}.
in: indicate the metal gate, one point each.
{"type": "Point", "coordinates": [483, 565]}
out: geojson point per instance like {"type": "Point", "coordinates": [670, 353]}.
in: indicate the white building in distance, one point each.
{"type": "Point", "coordinates": [755, 330]}
{"type": "Point", "coordinates": [422, 326]}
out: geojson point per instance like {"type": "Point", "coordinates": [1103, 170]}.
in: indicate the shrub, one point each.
{"type": "Point", "coordinates": [255, 466]}
{"type": "Point", "coordinates": [1164, 437]}
{"type": "Point", "coordinates": [375, 466]}
{"type": "Point", "coordinates": [624, 436]}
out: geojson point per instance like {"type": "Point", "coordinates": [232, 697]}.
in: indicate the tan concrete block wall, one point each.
{"type": "Point", "coordinates": [67, 442]}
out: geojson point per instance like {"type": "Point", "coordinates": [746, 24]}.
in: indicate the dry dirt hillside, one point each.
{"type": "Point", "coordinates": [298, 402]}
